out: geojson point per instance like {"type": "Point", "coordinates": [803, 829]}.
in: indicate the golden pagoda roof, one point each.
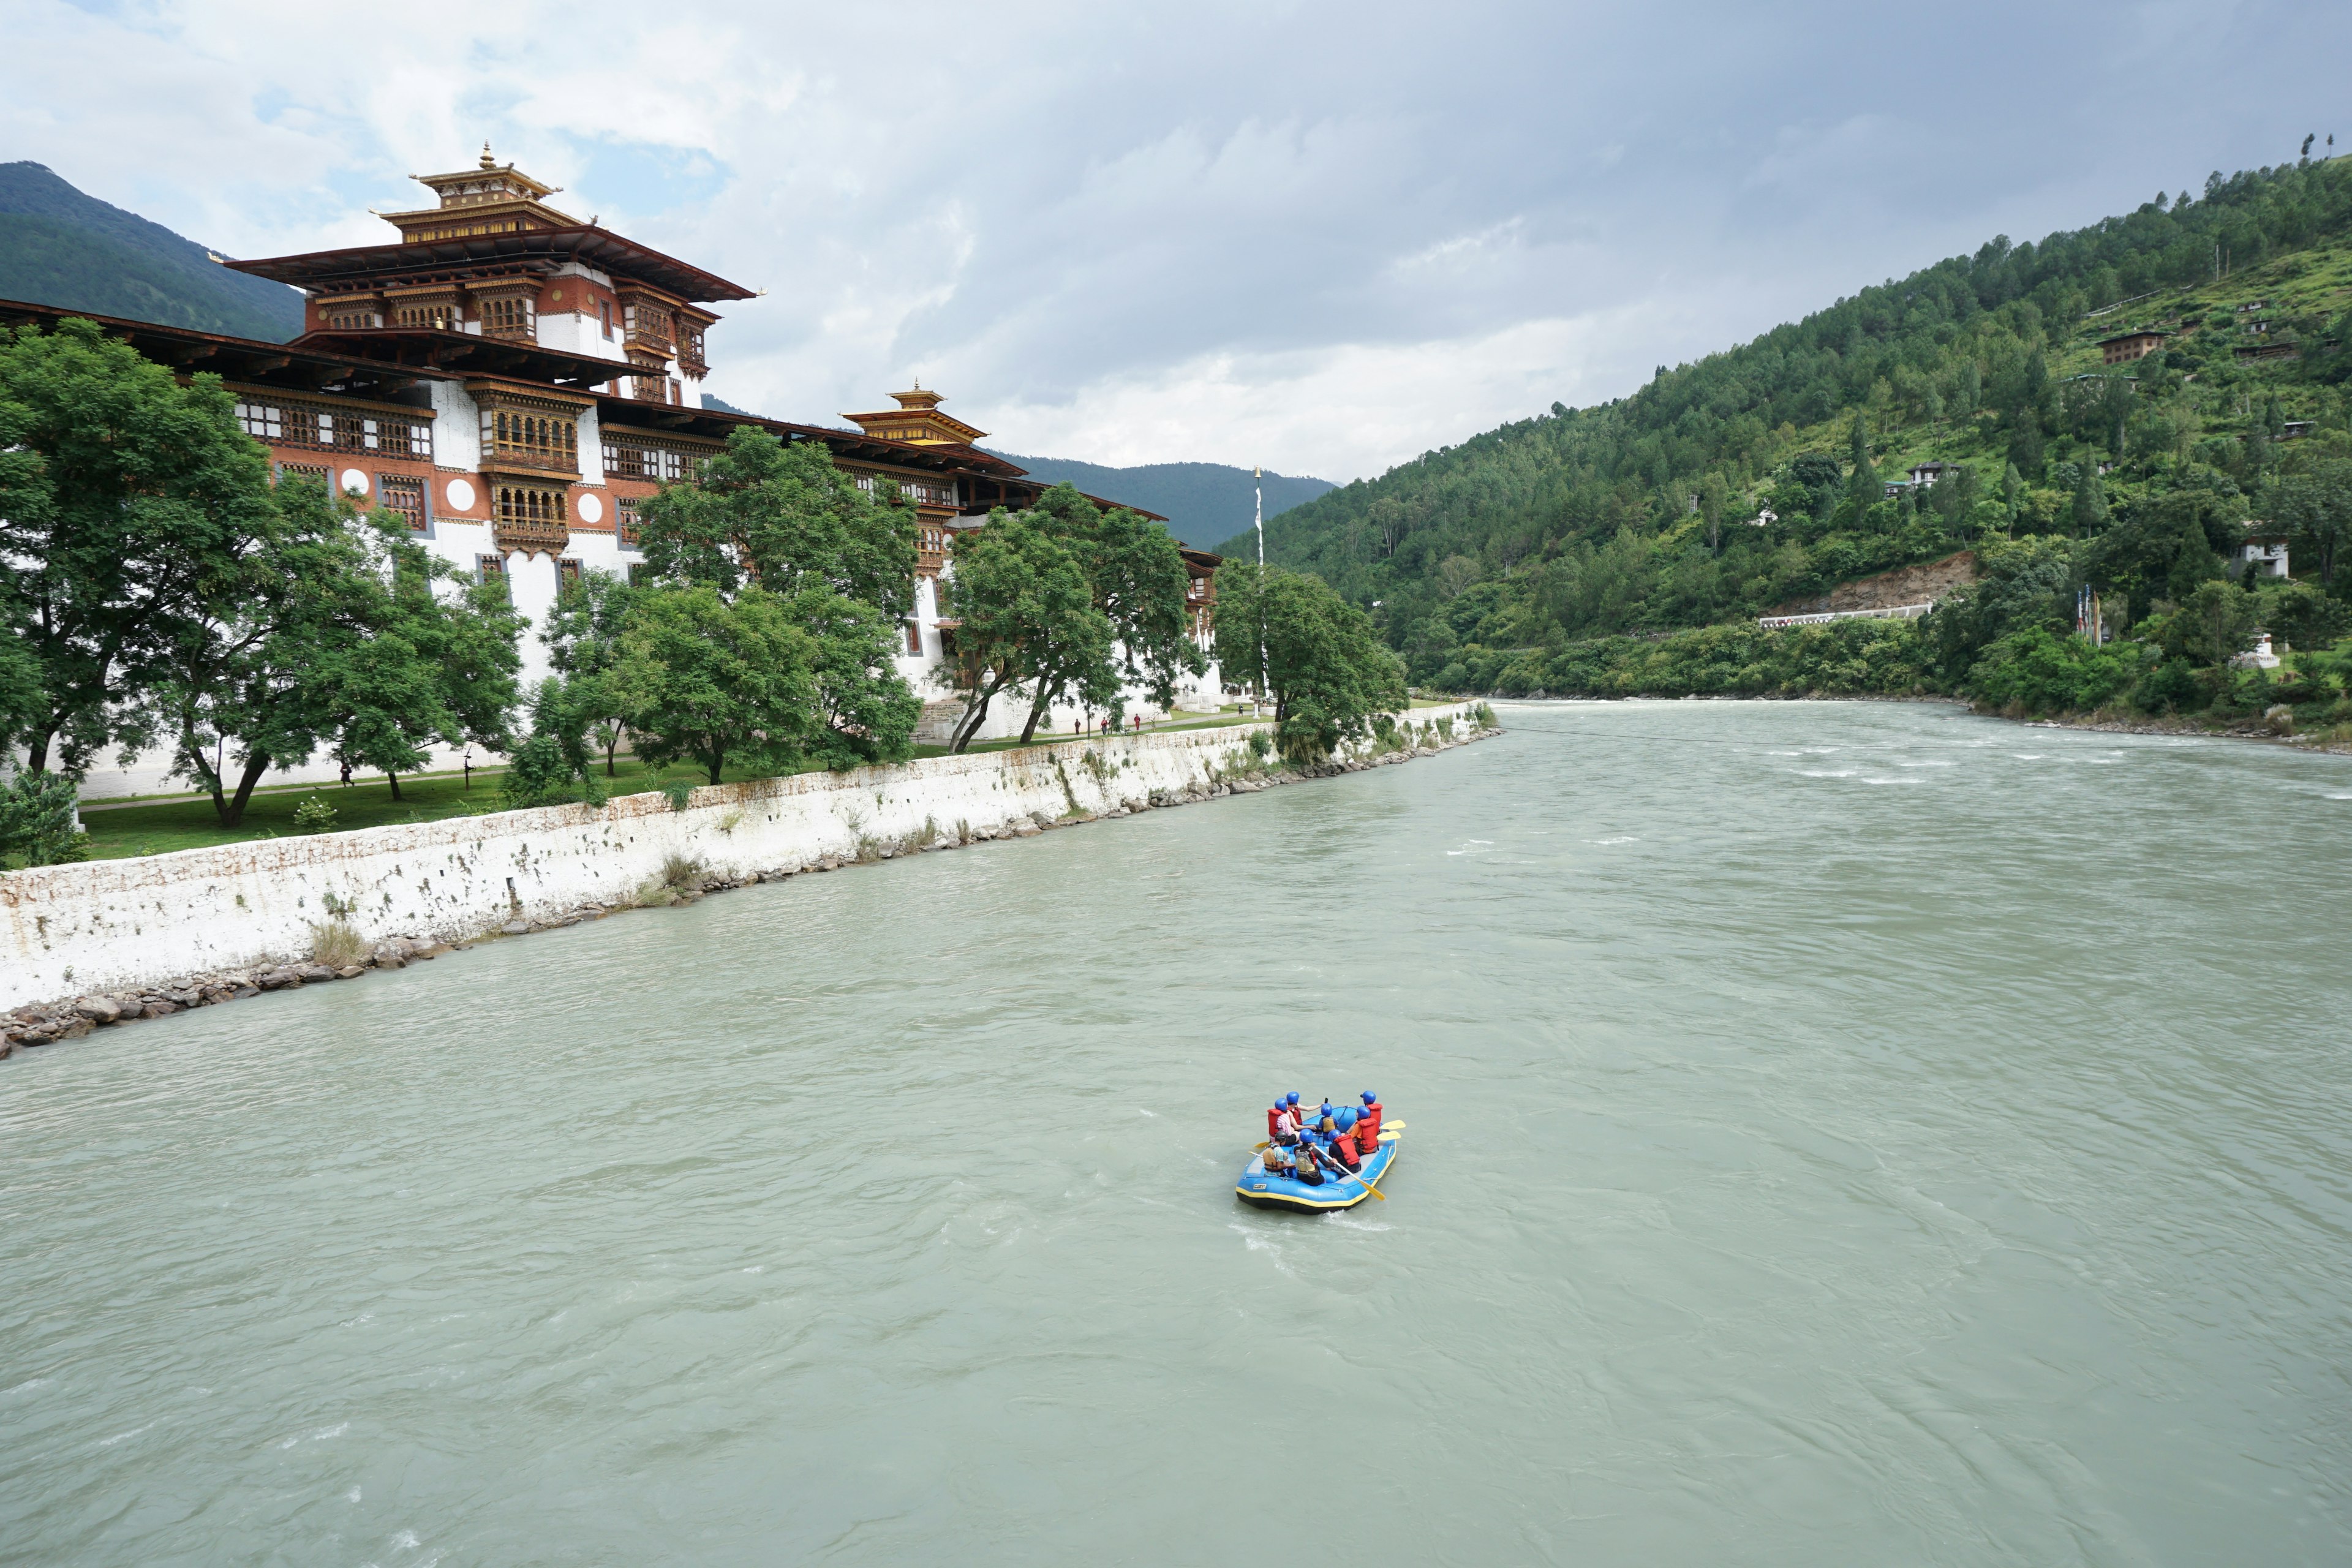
{"type": "Point", "coordinates": [490, 197]}
{"type": "Point", "coordinates": [918, 420]}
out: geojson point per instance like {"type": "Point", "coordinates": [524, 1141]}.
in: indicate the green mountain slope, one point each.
{"type": "Point", "coordinates": [1649, 513]}
{"type": "Point", "coordinates": [1204, 502]}
{"type": "Point", "coordinates": [59, 246]}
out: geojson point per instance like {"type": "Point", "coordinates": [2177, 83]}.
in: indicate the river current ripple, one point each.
{"type": "Point", "coordinates": [1837, 1133]}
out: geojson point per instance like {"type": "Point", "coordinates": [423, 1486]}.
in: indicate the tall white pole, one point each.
{"type": "Point", "coordinates": [1257, 478]}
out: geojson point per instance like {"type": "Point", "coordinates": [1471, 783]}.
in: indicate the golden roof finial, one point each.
{"type": "Point", "coordinates": [488, 161]}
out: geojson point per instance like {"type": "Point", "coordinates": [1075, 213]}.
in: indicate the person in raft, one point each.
{"type": "Point", "coordinates": [1343, 1141]}
{"type": "Point", "coordinates": [1372, 1112]}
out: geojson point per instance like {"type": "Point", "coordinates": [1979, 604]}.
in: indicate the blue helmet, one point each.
{"type": "Point", "coordinates": [1370, 1098]}
{"type": "Point", "coordinates": [1291, 1099]}
{"type": "Point", "coordinates": [1346, 1120]}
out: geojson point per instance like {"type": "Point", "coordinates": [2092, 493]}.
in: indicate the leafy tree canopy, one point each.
{"type": "Point", "coordinates": [784, 517]}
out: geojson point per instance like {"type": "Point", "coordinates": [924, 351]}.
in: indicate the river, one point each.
{"type": "Point", "coordinates": [1836, 1134]}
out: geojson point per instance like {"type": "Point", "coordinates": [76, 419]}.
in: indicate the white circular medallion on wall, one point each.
{"type": "Point", "coordinates": [460, 494]}
{"type": "Point", "coordinates": [354, 480]}
{"type": "Point", "coordinates": [591, 510]}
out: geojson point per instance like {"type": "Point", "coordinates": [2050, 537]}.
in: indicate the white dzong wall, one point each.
{"type": "Point", "coordinates": [107, 925]}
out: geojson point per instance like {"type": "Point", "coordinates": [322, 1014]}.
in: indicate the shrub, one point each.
{"type": "Point", "coordinates": [36, 820]}
{"type": "Point", "coordinates": [2041, 671]}
{"type": "Point", "coordinates": [1260, 744]}
{"type": "Point", "coordinates": [315, 816]}
{"type": "Point", "coordinates": [2171, 686]}
{"type": "Point", "coordinates": [539, 773]}
{"type": "Point", "coordinates": [336, 945]}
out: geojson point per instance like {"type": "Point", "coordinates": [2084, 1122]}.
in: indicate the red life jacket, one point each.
{"type": "Point", "coordinates": [1274, 1119]}
{"type": "Point", "coordinates": [1374, 1111]}
{"type": "Point", "coordinates": [1343, 1150]}
{"type": "Point", "coordinates": [1368, 1137]}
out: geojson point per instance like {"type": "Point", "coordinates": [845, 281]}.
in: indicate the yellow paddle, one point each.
{"type": "Point", "coordinates": [1347, 1175]}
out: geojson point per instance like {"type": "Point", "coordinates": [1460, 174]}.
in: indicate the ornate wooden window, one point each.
{"type": "Point", "coordinates": [289, 423]}
{"type": "Point", "coordinates": [532, 436]}
{"type": "Point", "coordinates": [404, 494]}
{"type": "Point", "coordinates": [567, 572]}
{"type": "Point", "coordinates": [630, 526]}
{"type": "Point", "coordinates": [318, 471]}
{"type": "Point", "coordinates": [530, 518]}
{"type": "Point", "coordinates": [649, 325]}
{"type": "Point", "coordinates": [508, 317]}
{"type": "Point", "coordinates": [351, 319]}
{"type": "Point", "coordinates": [689, 352]}
{"type": "Point", "coordinates": [915, 638]}
{"type": "Point", "coordinates": [436, 316]}
{"type": "Point", "coordinates": [491, 568]}
{"type": "Point", "coordinates": [624, 460]}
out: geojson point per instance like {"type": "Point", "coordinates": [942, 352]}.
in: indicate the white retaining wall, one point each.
{"type": "Point", "coordinates": [113, 925]}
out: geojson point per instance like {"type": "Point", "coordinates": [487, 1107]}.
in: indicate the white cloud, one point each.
{"type": "Point", "coordinates": [1318, 236]}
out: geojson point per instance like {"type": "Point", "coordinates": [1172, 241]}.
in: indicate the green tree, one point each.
{"type": "Point", "coordinates": [1326, 668]}
{"type": "Point", "coordinates": [555, 753]}
{"type": "Point", "coordinates": [1862, 488]}
{"type": "Point", "coordinates": [1713, 497]}
{"type": "Point", "coordinates": [866, 712]}
{"type": "Point", "coordinates": [2088, 509]}
{"type": "Point", "coordinates": [716, 680]}
{"type": "Point", "coordinates": [2213, 625]}
{"type": "Point", "coordinates": [2161, 550]}
{"type": "Point", "coordinates": [1029, 621]}
{"type": "Point", "coordinates": [783, 517]}
{"type": "Point", "coordinates": [583, 635]}
{"type": "Point", "coordinates": [123, 496]}
{"type": "Point", "coordinates": [440, 666]}
{"type": "Point", "coordinates": [2313, 503]}
{"type": "Point", "coordinates": [1135, 573]}
{"type": "Point", "coordinates": [246, 681]}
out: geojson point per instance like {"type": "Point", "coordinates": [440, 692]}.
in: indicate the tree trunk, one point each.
{"type": "Point", "coordinates": [969, 725]}
{"type": "Point", "coordinates": [233, 814]}
{"type": "Point", "coordinates": [718, 761]}
{"type": "Point", "coordinates": [37, 752]}
{"type": "Point", "coordinates": [394, 779]}
{"type": "Point", "coordinates": [1037, 713]}
{"type": "Point", "coordinates": [611, 748]}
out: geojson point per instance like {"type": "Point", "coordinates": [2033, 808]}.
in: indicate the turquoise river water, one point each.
{"type": "Point", "coordinates": [1836, 1134]}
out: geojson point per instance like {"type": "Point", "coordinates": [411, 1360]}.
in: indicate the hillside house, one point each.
{"type": "Point", "coordinates": [2263, 551]}
{"type": "Point", "coordinates": [2125, 347]}
{"type": "Point", "coordinates": [2250, 352]}
{"type": "Point", "coordinates": [2296, 429]}
{"type": "Point", "coordinates": [1926, 474]}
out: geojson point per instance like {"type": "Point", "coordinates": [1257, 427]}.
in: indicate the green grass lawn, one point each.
{"type": "Point", "coordinates": [120, 832]}
{"type": "Point", "coordinates": [123, 832]}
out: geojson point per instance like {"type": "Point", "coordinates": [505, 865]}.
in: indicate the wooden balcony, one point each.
{"type": "Point", "coordinates": [529, 536]}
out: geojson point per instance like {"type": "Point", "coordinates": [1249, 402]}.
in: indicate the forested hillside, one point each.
{"type": "Point", "coordinates": [59, 246]}
{"type": "Point", "coordinates": [1757, 476]}
{"type": "Point", "coordinates": [1204, 502]}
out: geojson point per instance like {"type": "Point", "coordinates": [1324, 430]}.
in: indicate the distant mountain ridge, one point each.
{"type": "Point", "coordinates": [1204, 502]}
{"type": "Point", "coordinates": [59, 247]}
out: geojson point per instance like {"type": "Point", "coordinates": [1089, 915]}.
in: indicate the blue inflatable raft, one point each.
{"type": "Point", "coordinates": [1336, 1193]}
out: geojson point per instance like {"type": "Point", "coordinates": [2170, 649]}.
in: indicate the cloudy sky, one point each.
{"type": "Point", "coordinates": [1324, 236]}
